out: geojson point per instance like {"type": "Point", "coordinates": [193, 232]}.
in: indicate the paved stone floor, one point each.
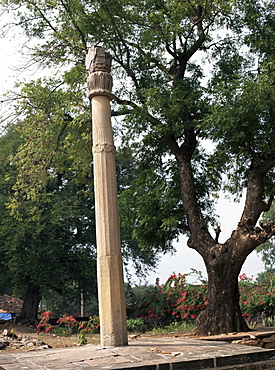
{"type": "Point", "coordinates": [161, 353]}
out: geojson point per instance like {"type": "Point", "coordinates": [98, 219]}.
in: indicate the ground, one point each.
{"type": "Point", "coordinates": [62, 341]}
{"type": "Point", "coordinates": [261, 337]}
{"type": "Point", "coordinates": [52, 340]}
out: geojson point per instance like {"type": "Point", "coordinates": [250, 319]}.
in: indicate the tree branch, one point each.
{"type": "Point", "coordinates": [67, 120]}
{"type": "Point", "coordinates": [254, 203]}
{"type": "Point", "coordinates": [82, 36]}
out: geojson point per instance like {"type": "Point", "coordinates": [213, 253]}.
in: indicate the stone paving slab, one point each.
{"type": "Point", "coordinates": [161, 353]}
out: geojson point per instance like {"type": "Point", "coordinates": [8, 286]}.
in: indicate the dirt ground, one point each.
{"type": "Point", "coordinates": [52, 340]}
{"type": "Point", "coordinates": [56, 341]}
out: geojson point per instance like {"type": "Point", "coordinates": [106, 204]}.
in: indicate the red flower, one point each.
{"type": "Point", "coordinates": [48, 329]}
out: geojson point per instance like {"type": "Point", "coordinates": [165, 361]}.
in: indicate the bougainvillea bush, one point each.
{"type": "Point", "coordinates": [67, 325]}
{"type": "Point", "coordinates": [179, 301]}
{"type": "Point", "coordinates": [257, 298]}
{"type": "Point", "coordinates": [174, 301]}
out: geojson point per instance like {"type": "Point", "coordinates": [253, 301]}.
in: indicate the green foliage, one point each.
{"type": "Point", "coordinates": [156, 228]}
{"type": "Point", "coordinates": [87, 327]}
{"type": "Point", "coordinates": [82, 340]}
{"type": "Point", "coordinates": [268, 321]}
{"type": "Point", "coordinates": [47, 246]}
{"type": "Point", "coordinates": [178, 327]}
{"type": "Point", "coordinates": [175, 306]}
{"type": "Point", "coordinates": [242, 124]}
{"type": "Point", "coordinates": [8, 144]}
{"type": "Point", "coordinates": [267, 250]}
{"type": "Point", "coordinates": [161, 90]}
{"type": "Point", "coordinates": [55, 138]}
{"type": "Point", "coordinates": [69, 301]}
{"type": "Point", "coordinates": [136, 325]}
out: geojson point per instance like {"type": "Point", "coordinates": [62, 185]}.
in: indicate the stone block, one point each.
{"type": "Point", "coordinates": [193, 364]}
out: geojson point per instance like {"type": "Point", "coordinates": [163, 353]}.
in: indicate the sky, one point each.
{"type": "Point", "coordinates": [185, 258]}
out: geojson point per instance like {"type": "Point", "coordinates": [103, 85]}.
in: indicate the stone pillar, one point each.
{"type": "Point", "coordinates": [112, 306]}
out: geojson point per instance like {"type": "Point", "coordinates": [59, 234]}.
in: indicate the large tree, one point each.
{"type": "Point", "coordinates": [51, 247]}
{"type": "Point", "coordinates": [169, 112]}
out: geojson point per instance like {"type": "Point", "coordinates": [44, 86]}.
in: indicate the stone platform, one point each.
{"type": "Point", "coordinates": [145, 353]}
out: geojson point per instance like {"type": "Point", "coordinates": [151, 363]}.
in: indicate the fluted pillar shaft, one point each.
{"type": "Point", "coordinates": [112, 306]}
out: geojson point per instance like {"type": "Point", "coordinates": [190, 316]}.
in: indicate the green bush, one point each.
{"type": "Point", "coordinates": [136, 325]}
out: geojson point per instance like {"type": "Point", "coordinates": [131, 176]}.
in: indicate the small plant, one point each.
{"type": "Point", "coordinates": [251, 324]}
{"type": "Point", "coordinates": [44, 324]}
{"type": "Point", "coordinates": [86, 327]}
{"type": "Point", "coordinates": [82, 340]}
{"type": "Point", "coordinates": [136, 325]}
{"type": "Point", "coordinates": [67, 324]}
{"type": "Point", "coordinates": [268, 321]}
{"type": "Point", "coordinates": [180, 326]}
{"type": "Point", "coordinates": [41, 336]}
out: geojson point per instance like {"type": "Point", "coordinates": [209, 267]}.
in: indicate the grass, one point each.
{"type": "Point", "coordinates": [178, 327]}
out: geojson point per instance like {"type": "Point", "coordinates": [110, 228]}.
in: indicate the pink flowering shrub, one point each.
{"type": "Point", "coordinates": [177, 300]}
{"type": "Point", "coordinates": [189, 299]}
{"type": "Point", "coordinates": [67, 325]}
{"type": "Point", "coordinates": [44, 324]}
{"type": "Point", "coordinates": [257, 299]}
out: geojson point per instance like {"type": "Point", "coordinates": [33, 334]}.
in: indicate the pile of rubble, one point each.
{"type": "Point", "coordinates": [20, 341]}
{"type": "Point", "coordinates": [10, 304]}
{"type": "Point", "coordinates": [257, 341]}
{"type": "Point", "coordinates": [259, 337]}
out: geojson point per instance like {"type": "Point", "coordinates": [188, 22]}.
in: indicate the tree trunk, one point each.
{"type": "Point", "coordinates": [29, 311]}
{"type": "Point", "coordinates": [222, 314]}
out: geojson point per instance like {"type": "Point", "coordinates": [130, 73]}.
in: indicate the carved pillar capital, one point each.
{"type": "Point", "coordinates": [98, 65]}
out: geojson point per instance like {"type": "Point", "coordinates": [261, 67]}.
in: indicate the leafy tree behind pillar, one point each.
{"type": "Point", "coordinates": [48, 239]}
